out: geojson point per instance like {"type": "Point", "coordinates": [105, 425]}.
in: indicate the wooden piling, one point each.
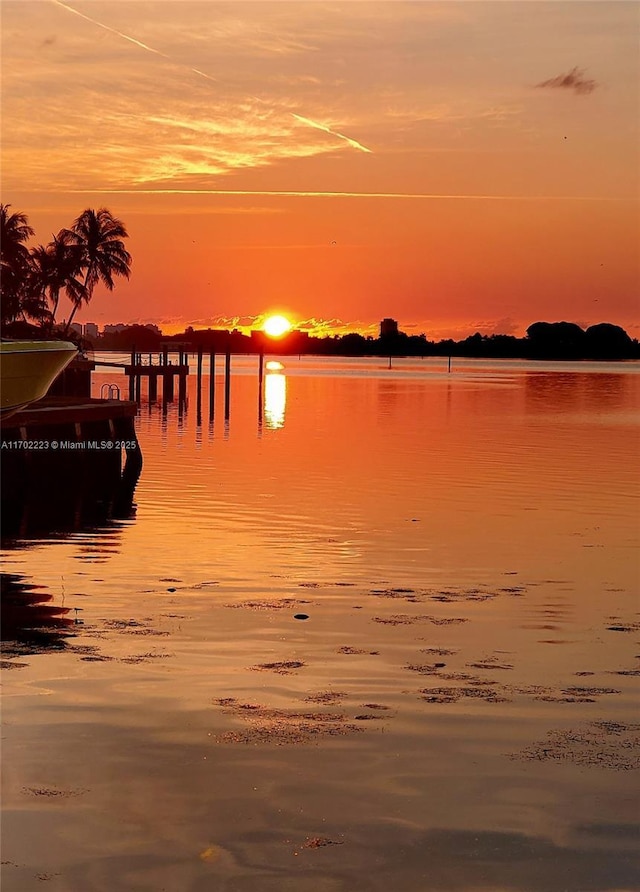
{"type": "Point", "coordinates": [167, 387]}
{"type": "Point", "coordinates": [227, 385]}
{"type": "Point", "coordinates": [132, 381]}
{"type": "Point", "coordinates": [260, 385]}
{"type": "Point", "coordinates": [212, 384]}
{"type": "Point", "coordinates": [153, 388]}
{"type": "Point", "coordinates": [199, 388]}
{"type": "Point", "coordinates": [182, 388]}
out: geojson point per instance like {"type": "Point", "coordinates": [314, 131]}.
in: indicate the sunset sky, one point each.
{"type": "Point", "coordinates": [459, 166]}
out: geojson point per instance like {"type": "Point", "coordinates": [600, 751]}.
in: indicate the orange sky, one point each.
{"type": "Point", "coordinates": [341, 162]}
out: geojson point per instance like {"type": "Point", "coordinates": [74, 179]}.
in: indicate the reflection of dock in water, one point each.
{"type": "Point", "coordinates": [29, 622]}
{"type": "Point", "coordinates": [68, 461]}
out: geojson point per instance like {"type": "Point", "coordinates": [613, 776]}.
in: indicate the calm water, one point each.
{"type": "Point", "coordinates": [457, 711]}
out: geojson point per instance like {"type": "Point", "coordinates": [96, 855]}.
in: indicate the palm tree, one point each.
{"type": "Point", "coordinates": [98, 236]}
{"type": "Point", "coordinates": [14, 258]}
{"type": "Point", "coordinates": [55, 268]}
{"type": "Point", "coordinates": [14, 232]}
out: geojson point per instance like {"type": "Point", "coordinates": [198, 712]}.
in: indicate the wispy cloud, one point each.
{"type": "Point", "coordinates": [202, 74]}
{"type": "Point", "coordinates": [319, 327]}
{"type": "Point", "coordinates": [573, 80]}
{"type": "Point", "coordinates": [457, 330]}
{"type": "Point", "coordinates": [176, 142]}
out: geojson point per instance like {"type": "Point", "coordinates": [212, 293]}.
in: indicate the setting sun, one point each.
{"type": "Point", "coordinates": [276, 326]}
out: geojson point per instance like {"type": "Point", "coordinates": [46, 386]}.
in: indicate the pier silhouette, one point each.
{"type": "Point", "coordinates": [160, 366]}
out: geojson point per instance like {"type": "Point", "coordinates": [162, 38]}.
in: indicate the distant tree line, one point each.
{"type": "Point", "coordinates": [543, 340]}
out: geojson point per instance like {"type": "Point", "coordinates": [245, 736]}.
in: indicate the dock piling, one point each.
{"type": "Point", "coordinates": [212, 384]}
{"type": "Point", "coordinates": [227, 384]}
{"type": "Point", "coordinates": [260, 385]}
{"type": "Point", "coordinates": [199, 388]}
{"type": "Point", "coordinates": [182, 388]}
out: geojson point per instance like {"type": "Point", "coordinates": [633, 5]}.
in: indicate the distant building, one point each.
{"type": "Point", "coordinates": [388, 327]}
{"type": "Point", "coordinates": [77, 327]}
{"type": "Point", "coordinates": [90, 330]}
{"type": "Point", "coordinates": [114, 329]}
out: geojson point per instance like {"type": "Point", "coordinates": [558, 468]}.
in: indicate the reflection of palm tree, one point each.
{"type": "Point", "coordinates": [14, 254]}
{"type": "Point", "coordinates": [55, 268]}
{"type": "Point", "coordinates": [98, 236]}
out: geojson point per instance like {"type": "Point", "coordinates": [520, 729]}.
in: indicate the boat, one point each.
{"type": "Point", "coordinates": [28, 369]}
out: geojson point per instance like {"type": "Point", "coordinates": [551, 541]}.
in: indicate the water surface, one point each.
{"type": "Point", "coordinates": [379, 632]}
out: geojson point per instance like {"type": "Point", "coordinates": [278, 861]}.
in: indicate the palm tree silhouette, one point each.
{"type": "Point", "coordinates": [98, 237]}
{"type": "Point", "coordinates": [14, 262]}
{"type": "Point", "coordinates": [55, 268]}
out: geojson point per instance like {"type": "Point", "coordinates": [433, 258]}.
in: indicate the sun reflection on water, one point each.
{"type": "Point", "coordinates": [275, 396]}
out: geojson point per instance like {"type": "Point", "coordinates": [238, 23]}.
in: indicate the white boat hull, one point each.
{"type": "Point", "coordinates": [28, 369]}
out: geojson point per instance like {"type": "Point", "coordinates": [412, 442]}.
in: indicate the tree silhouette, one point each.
{"type": "Point", "coordinates": [605, 340]}
{"type": "Point", "coordinates": [15, 262]}
{"type": "Point", "coordinates": [98, 236]}
{"type": "Point", "coordinates": [55, 268]}
{"type": "Point", "coordinates": [556, 340]}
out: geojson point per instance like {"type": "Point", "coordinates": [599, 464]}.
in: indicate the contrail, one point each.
{"type": "Point", "coordinates": [306, 121]}
{"type": "Point", "coordinates": [204, 74]}
{"type": "Point", "coordinates": [139, 43]}
{"type": "Point", "coordinates": [433, 196]}
{"type": "Point", "coordinates": [352, 142]}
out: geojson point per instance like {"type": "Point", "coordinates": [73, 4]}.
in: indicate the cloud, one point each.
{"type": "Point", "coordinates": [245, 322]}
{"type": "Point", "coordinates": [458, 330]}
{"type": "Point", "coordinates": [573, 80]}
{"type": "Point", "coordinates": [315, 326]}
{"type": "Point", "coordinates": [320, 328]}
{"type": "Point", "coordinates": [504, 326]}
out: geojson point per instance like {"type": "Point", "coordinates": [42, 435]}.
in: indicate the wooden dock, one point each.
{"type": "Point", "coordinates": [65, 458]}
{"type": "Point", "coordinates": [159, 366]}
{"type": "Point", "coordinates": [165, 369]}
{"type": "Point", "coordinates": [66, 410]}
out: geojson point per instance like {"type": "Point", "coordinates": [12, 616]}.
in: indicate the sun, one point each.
{"type": "Point", "coordinates": [276, 326]}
